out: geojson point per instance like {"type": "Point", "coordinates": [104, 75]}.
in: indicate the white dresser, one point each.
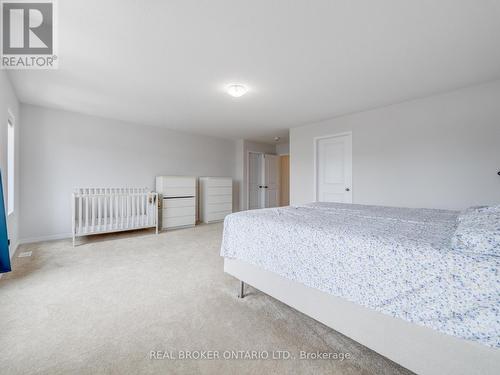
{"type": "Point", "coordinates": [216, 198]}
{"type": "Point", "coordinates": [178, 203]}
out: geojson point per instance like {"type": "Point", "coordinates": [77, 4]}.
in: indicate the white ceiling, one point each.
{"type": "Point", "coordinates": [166, 63]}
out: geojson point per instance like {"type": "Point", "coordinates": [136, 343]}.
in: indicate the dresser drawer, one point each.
{"type": "Point", "coordinates": [181, 221]}
{"type": "Point", "coordinates": [219, 182]}
{"type": "Point", "coordinates": [214, 199]}
{"type": "Point", "coordinates": [171, 186]}
{"type": "Point", "coordinates": [220, 207]}
{"type": "Point", "coordinates": [220, 190]}
{"type": "Point", "coordinates": [179, 181]}
{"type": "Point", "coordinates": [189, 191]}
{"type": "Point", "coordinates": [178, 211]}
{"type": "Point", "coordinates": [179, 202]}
{"type": "Point", "coordinates": [217, 216]}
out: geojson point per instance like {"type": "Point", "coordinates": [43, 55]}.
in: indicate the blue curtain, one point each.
{"type": "Point", "coordinates": [4, 239]}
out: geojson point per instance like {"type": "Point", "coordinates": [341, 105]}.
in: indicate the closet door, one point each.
{"type": "Point", "coordinates": [255, 183]}
{"type": "Point", "coordinates": [272, 180]}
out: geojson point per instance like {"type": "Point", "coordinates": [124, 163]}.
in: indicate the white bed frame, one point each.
{"type": "Point", "coordinates": [419, 349]}
{"type": "Point", "coordinates": [105, 210]}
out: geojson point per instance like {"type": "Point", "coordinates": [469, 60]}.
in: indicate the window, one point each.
{"type": "Point", "coordinates": [10, 166]}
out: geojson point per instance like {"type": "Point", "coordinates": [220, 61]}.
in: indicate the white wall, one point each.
{"type": "Point", "coordinates": [282, 149]}
{"type": "Point", "coordinates": [9, 102]}
{"type": "Point", "coordinates": [438, 152]}
{"type": "Point", "coordinates": [63, 150]}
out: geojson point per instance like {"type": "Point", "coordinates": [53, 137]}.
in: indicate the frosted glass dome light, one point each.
{"type": "Point", "coordinates": [236, 90]}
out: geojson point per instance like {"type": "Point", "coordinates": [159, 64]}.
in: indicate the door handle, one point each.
{"type": "Point", "coordinates": [347, 189]}
{"type": "Point", "coordinates": [265, 187]}
{"type": "Point", "coordinates": [260, 186]}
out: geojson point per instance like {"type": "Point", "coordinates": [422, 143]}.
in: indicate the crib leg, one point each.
{"type": "Point", "coordinates": [157, 213]}
{"type": "Point", "coordinates": [73, 240]}
{"type": "Point", "coordinates": [241, 292]}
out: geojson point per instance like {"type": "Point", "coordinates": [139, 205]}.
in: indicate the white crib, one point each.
{"type": "Point", "coordinates": [105, 210]}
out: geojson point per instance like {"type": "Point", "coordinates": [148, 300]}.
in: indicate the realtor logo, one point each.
{"type": "Point", "coordinates": [28, 34]}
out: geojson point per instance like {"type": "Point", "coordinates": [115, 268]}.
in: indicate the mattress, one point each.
{"type": "Point", "coordinates": [397, 261]}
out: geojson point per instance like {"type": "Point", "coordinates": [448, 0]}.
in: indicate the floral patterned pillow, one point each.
{"type": "Point", "coordinates": [478, 231]}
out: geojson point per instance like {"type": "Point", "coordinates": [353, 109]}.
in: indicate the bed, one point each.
{"type": "Point", "coordinates": [398, 280]}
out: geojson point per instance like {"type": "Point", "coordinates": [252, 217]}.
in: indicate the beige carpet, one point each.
{"type": "Point", "coordinates": [102, 307]}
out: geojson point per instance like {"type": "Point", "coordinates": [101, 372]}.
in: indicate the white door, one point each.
{"type": "Point", "coordinates": [334, 169]}
{"type": "Point", "coordinates": [272, 180]}
{"type": "Point", "coordinates": [255, 181]}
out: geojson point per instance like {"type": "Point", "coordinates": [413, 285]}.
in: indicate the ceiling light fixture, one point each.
{"type": "Point", "coordinates": [236, 90]}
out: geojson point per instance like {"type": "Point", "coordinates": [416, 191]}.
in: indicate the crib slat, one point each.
{"type": "Point", "coordinates": [80, 213]}
{"type": "Point", "coordinates": [134, 210]}
{"type": "Point", "coordinates": [137, 211]}
{"type": "Point", "coordinates": [117, 210]}
{"type": "Point", "coordinates": [105, 219]}
{"type": "Point", "coordinates": [126, 211]}
{"type": "Point", "coordinates": [123, 212]}
{"type": "Point", "coordinates": [98, 214]}
{"type": "Point", "coordinates": [151, 212]}
{"type": "Point", "coordinates": [142, 210]}
{"type": "Point", "coordinates": [111, 211]}
{"type": "Point", "coordinates": [146, 208]}
{"type": "Point", "coordinates": [131, 224]}
{"type": "Point", "coordinates": [86, 214]}
{"type": "Point", "coordinates": [73, 221]}
{"type": "Point", "coordinates": [131, 209]}
{"type": "Point", "coordinates": [92, 213]}
{"type": "Point", "coordinates": [138, 203]}
{"type": "Point", "coordinates": [134, 215]}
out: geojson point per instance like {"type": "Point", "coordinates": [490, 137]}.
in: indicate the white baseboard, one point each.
{"type": "Point", "coordinates": [51, 237]}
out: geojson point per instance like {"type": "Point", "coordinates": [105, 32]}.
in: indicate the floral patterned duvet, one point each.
{"type": "Point", "coordinates": [397, 261]}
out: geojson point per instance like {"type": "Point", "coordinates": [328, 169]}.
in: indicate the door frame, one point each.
{"type": "Point", "coordinates": [315, 157]}
{"type": "Point", "coordinates": [281, 178]}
